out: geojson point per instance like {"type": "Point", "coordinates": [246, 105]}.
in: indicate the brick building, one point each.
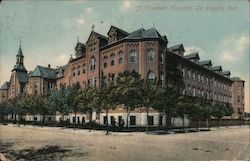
{"type": "Point", "coordinates": [143, 50]}
{"type": "Point", "coordinates": [238, 95]}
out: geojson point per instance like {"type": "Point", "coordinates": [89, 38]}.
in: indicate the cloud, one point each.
{"type": "Point", "coordinates": [234, 48]}
{"type": "Point", "coordinates": [126, 4]}
{"type": "Point", "coordinates": [89, 10]}
{"type": "Point", "coordinates": [80, 20]}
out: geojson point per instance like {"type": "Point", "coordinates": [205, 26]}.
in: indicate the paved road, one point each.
{"type": "Point", "coordinates": [28, 143]}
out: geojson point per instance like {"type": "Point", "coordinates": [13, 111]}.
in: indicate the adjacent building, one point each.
{"type": "Point", "coordinates": [238, 95]}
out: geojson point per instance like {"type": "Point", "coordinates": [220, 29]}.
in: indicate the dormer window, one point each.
{"type": "Point", "coordinates": [150, 55]}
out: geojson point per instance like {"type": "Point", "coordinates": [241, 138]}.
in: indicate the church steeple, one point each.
{"type": "Point", "coordinates": [19, 60]}
{"type": "Point", "coordinates": [19, 56]}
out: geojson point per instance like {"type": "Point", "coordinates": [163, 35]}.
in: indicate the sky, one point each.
{"type": "Point", "coordinates": [48, 30]}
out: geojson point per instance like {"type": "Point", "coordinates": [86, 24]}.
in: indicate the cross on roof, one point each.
{"type": "Point", "coordinates": [93, 27]}
{"type": "Point", "coordinates": [20, 42]}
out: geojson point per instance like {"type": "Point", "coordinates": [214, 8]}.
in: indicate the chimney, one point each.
{"type": "Point", "coordinates": [48, 65]}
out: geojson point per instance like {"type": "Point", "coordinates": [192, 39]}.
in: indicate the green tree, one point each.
{"type": "Point", "coordinates": [148, 94]}
{"type": "Point", "coordinates": [4, 110]}
{"type": "Point", "coordinates": [73, 100]}
{"type": "Point", "coordinates": [59, 103]}
{"type": "Point", "coordinates": [166, 102]}
{"type": "Point", "coordinates": [20, 108]}
{"type": "Point", "coordinates": [182, 108]}
{"type": "Point", "coordinates": [128, 87]}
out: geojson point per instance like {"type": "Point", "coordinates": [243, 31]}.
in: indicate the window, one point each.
{"type": "Point", "coordinates": [92, 82]}
{"type": "Point", "coordinates": [132, 120]}
{"type": "Point", "coordinates": [78, 70]}
{"type": "Point", "coordinates": [193, 91]}
{"type": "Point", "coordinates": [120, 57]}
{"type": "Point", "coordinates": [183, 72]}
{"type": "Point", "coordinates": [199, 77]}
{"type": "Point", "coordinates": [150, 55]}
{"type": "Point", "coordinates": [92, 64]}
{"type": "Point", "coordinates": [184, 91]}
{"type": "Point", "coordinates": [150, 120]}
{"type": "Point", "coordinates": [112, 62]}
{"type": "Point", "coordinates": [105, 62]}
{"type": "Point", "coordinates": [202, 93]}
{"type": "Point", "coordinates": [151, 77]}
{"type": "Point", "coordinates": [193, 75]}
{"type": "Point", "coordinates": [74, 71]}
{"type": "Point", "coordinates": [83, 68]}
{"type": "Point", "coordinates": [207, 80]}
{"type": "Point", "coordinates": [161, 79]}
{"type": "Point", "coordinates": [161, 58]}
{"type": "Point", "coordinates": [133, 56]}
{"type": "Point", "coordinates": [202, 78]}
{"type": "Point", "coordinates": [189, 74]}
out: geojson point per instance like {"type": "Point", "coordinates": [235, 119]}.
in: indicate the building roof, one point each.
{"type": "Point", "coordinates": [192, 56]}
{"type": "Point", "coordinates": [205, 62]}
{"type": "Point", "coordinates": [137, 34]}
{"type": "Point", "coordinates": [5, 86]}
{"type": "Point", "coordinates": [44, 72]}
{"type": "Point", "coordinates": [217, 68]}
{"type": "Point", "coordinates": [116, 28]}
{"type": "Point", "coordinates": [22, 77]}
{"type": "Point", "coordinates": [141, 33]}
{"type": "Point", "coordinates": [226, 72]}
{"type": "Point", "coordinates": [19, 67]}
{"type": "Point", "coordinates": [237, 79]}
{"type": "Point", "coordinates": [99, 35]}
{"type": "Point", "coordinates": [176, 47]}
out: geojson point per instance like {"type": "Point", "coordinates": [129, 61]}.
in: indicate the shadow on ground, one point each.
{"type": "Point", "coordinates": [48, 152]}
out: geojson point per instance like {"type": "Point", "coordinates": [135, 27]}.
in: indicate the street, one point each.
{"type": "Point", "coordinates": [36, 143]}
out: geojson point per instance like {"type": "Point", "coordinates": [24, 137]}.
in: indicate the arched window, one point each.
{"type": "Point", "coordinates": [112, 57]}
{"type": "Point", "coordinates": [151, 55]}
{"type": "Point", "coordinates": [133, 56]}
{"type": "Point", "coordinates": [120, 57]}
{"type": "Point", "coordinates": [151, 77]}
{"type": "Point", "coordinates": [105, 62]}
{"type": "Point", "coordinates": [83, 68]}
{"type": "Point", "coordinates": [92, 64]}
{"type": "Point", "coordinates": [78, 70]}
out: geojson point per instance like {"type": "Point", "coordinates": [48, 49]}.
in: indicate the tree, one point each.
{"type": "Point", "coordinates": [59, 103]}
{"type": "Point", "coordinates": [38, 105]}
{"type": "Point", "coordinates": [217, 111]}
{"type": "Point", "coordinates": [182, 108]}
{"type": "Point", "coordinates": [20, 107]}
{"type": "Point", "coordinates": [107, 98]}
{"type": "Point", "coordinates": [4, 110]}
{"type": "Point", "coordinates": [166, 102]}
{"type": "Point", "coordinates": [147, 93]}
{"type": "Point", "coordinates": [73, 100]}
{"type": "Point", "coordinates": [128, 87]}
